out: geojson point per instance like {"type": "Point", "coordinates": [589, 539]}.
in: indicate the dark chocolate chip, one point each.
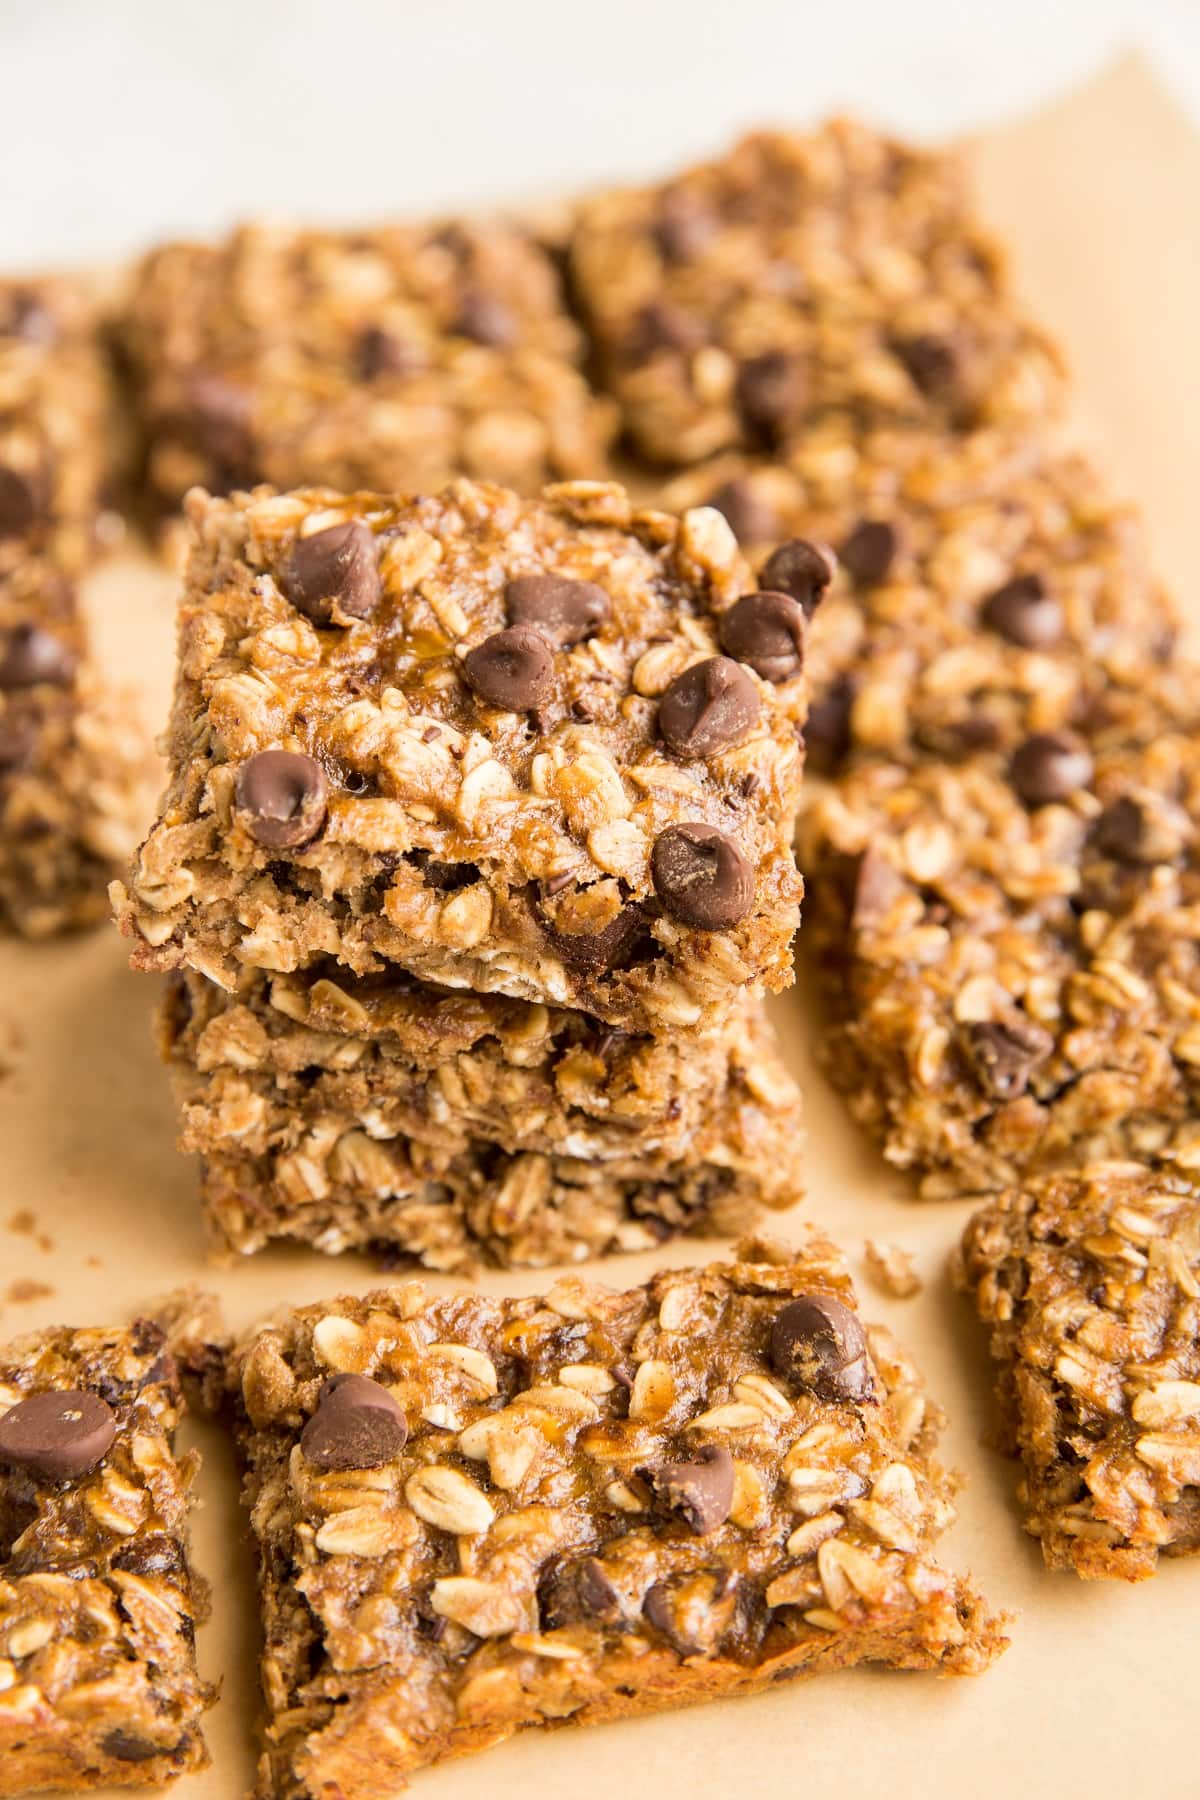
{"type": "Point", "coordinates": [220, 413]}
{"type": "Point", "coordinates": [60, 1434]}
{"type": "Point", "coordinates": [770, 392]}
{"type": "Point", "coordinates": [155, 1554]}
{"type": "Point", "coordinates": [765, 631]}
{"type": "Point", "coordinates": [932, 363]}
{"type": "Point", "coordinates": [382, 352]}
{"type": "Point", "coordinates": [749, 514]}
{"type": "Point", "coordinates": [333, 575]}
{"type": "Point", "coordinates": [1003, 1055]}
{"type": "Point", "coordinates": [876, 887]}
{"type": "Point", "coordinates": [18, 502]}
{"type": "Point", "coordinates": [564, 611]}
{"type": "Point", "coordinates": [577, 1592]}
{"type": "Point", "coordinates": [701, 877]}
{"type": "Point", "coordinates": [485, 318]}
{"type": "Point", "coordinates": [357, 1425]}
{"type": "Point", "coordinates": [819, 1345]}
{"type": "Point", "coordinates": [1023, 612]}
{"type": "Point", "coordinates": [1050, 766]}
{"type": "Point", "coordinates": [124, 1746]}
{"type": "Point", "coordinates": [513, 669]}
{"type": "Point", "coordinates": [708, 708]}
{"type": "Point", "coordinates": [282, 795]}
{"type": "Point", "coordinates": [869, 551]}
{"type": "Point", "coordinates": [686, 226]}
{"type": "Point", "coordinates": [700, 1490]}
{"type": "Point", "coordinates": [828, 730]}
{"type": "Point", "coordinates": [29, 656]}
{"type": "Point", "coordinates": [603, 949]}
{"type": "Point", "coordinates": [802, 569]}
{"type": "Point", "coordinates": [661, 326]}
{"type": "Point", "coordinates": [1122, 832]}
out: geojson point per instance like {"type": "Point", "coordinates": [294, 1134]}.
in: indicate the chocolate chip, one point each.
{"type": "Point", "coordinates": [700, 1490]}
{"type": "Point", "coordinates": [711, 706]}
{"type": "Point", "coordinates": [766, 631]}
{"type": "Point", "coordinates": [661, 326]}
{"type": "Point", "coordinates": [155, 1554]}
{"type": "Point", "coordinates": [1003, 1055]}
{"type": "Point", "coordinates": [357, 1425]}
{"type": "Point", "coordinates": [802, 569]}
{"type": "Point", "coordinates": [701, 877]}
{"type": "Point", "coordinates": [30, 656]}
{"type": "Point", "coordinates": [769, 390]}
{"type": "Point", "coordinates": [818, 1345]}
{"type": "Point", "coordinates": [564, 611]}
{"type": "Point", "coordinates": [1050, 766]}
{"type": "Point", "coordinates": [220, 413]}
{"type": "Point", "coordinates": [60, 1434]}
{"type": "Point", "coordinates": [577, 1592]}
{"type": "Point", "coordinates": [876, 886]}
{"type": "Point", "coordinates": [18, 503]}
{"type": "Point", "coordinates": [932, 363]}
{"type": "Point", "coordinates": [869, 551]}
{"type": "Point", "coordinates": [513, 669]}
{"type": "Point", "coordinates": [333, 575]}
{"type": "Point", "coordinates": [282, 795]}
{"type": "Point", "coordinates": [18, 738]}
{"type": "Point", "coordinates": [381, 352]}
{"type": "Point", "coordinates": [24, 315]}
{"type": "Point", "coordinates": [686, 226]}
{"type": "Point", "coordinates": [603, 949]}
{"type": "Point", "coordinates": [1122, 832]}
{"type": "Point", "coordinates": [486, 319]}
{"type": "Point", "coordinates": [828, 730]}
{"type": "Point", "coordinates": [750, 516]}
{"type": "Point", "coordinates": [1024, 613]}
{"type": "Point", "coordinates": [124, 1746]}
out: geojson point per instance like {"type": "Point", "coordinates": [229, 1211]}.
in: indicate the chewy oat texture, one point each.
{"type": "Point", "coordinates": [1089, 1284]}
{"type": "Point", "coordinates": [390, 359]}
{"type": "Point", "coordinates": [98, 1679]}
{"type": "Point", "coordinates": [477, 1515]}
{"type": "Point", "coordinates": [493, 742]}
{"type": "Point", "coordinates": [421, 1122]}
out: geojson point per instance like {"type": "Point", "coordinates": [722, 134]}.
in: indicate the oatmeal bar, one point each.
{"type": "Point", "coordinates": [98, 1679]}
{"type": "Point", "coordinates": [74, 775]}
{"type": "Point", "coordinates": [737, 304]}
{"type": "Point", "coordinates": [422, 1123]}
{"type": "Point", "coordinates": [987, 587]}
{"type": "Point", "coordinates": [1013, 959]}
{"type": "Point", "coordinates": [56, 438]}
{"type": "Point", "coordinates": [475, 1515]}
{"type": "Point", "coordinates": [497, 743]}
{"type": "Point", "coordinates": [1090, 1286]}
{"type": "Point", "coordinates": [391, 359]}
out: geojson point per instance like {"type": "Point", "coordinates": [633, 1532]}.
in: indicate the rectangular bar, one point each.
{"type": "Point", "coordinates": [486, 740]}
{"type": "Point", "coordinates": [581, 1507]}
{"type": "Point", "coordinates": [448, 1127]}
{"type": "Point", "coordinates": [390, 359]}
{"type": "Point", "coordinates": [98, 1604]}
{"type": "Point", "coordinates": [1089, 1284]}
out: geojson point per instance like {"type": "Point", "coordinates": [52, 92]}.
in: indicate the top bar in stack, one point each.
{"type": "Point", "coordinates": [738, 303]}
{"type": "Point", "coordinates": [390, 359]}
{"type": "Point", "coordinates": [493, 742]}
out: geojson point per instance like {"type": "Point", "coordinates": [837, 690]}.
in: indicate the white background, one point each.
{"type": "Point", "coordinates": [123, 120]}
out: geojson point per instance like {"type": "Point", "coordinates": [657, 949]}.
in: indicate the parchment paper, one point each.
{"type": "Point", "coordinates": [1097, 1696]}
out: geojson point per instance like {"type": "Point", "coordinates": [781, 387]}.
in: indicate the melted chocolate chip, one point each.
{"type": "Point", "coordinates": [1121, 831]}
{"type": "Point", "coordinates": [603, 949]}
{"type": "Point", "coordinates": [564, 611]}
{"type": "Point", "coordinates": [29, 656]}
{"type": "Point", "coordinates": [60, 1435]}
{"type": "Point", "coordinates": [1023, 612]}
{"type": "Point", "coordinates": [18, 502]}
{"type": "Point", "coordinates": [869, 551]}
{"type": "Point", "coordinates": [381, 352]}
{"type": "Point", "coordinates": [819, 1346]}
{"type": "Point", "coordinates": [699, 1490]}
{"type": "Point", "coordinates": [1050, 766]}
{"type": "Point", "coordinates": [512, 669]}
{"type": "Point", "coordinates": [485, 319]}
{"type": "Point", "coordinates": [701, 877]}
{"type": "Point", "coordinates": [769, 390]}
{"type": "Point", "coordinates": [711, 706]}
{"type": "Point", "coordinates": [1003, 1055]}
{"type": "Point", "coordinates": [357, 1425]}
{"type": "Point", "coordinates": [749, 514]}
{"type": "Point", "coordinates": [282, 796]}
{"type": "Point", "coordinates": [577, 1592]}
{"type": "Point", "coordinates": [124, 1746]}
{"type": "Point", "coordinates": [802, 569]}
{"type": "Point", "coordinates": [332, 576]}
{"type": "Point", "coordinates": [765, 631]}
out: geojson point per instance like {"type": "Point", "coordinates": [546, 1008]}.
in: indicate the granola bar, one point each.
{"type": "Point", "coordinates": [493, 742]}
{"type": "Point", "coordinates": [1012, 957]}
{"type": "Point", "coordinates": [74, 789]}
{"type": "Point", "coordinates": [98, 1678]}
{"type": "Point", "coordinates": [56, 437]}
{"type": "Point", "coordinates": [475, 1515]}
{"type": "Point", "coordinates": [390, 359]}
{"type": "Point", "coordinates": [737, 304]}
{"type": "Point", "coordinates": [1089, 1284]}
{"type": "Point", "coordinates": [422, 1123]}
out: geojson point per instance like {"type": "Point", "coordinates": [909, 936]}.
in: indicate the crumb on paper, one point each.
{"type": "Point", "coordinates": [24, 1292]}
{"type": "Point", "coordinates": [23, 1223]}
{"type": "Point", "coordinates": [890, 1267]}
